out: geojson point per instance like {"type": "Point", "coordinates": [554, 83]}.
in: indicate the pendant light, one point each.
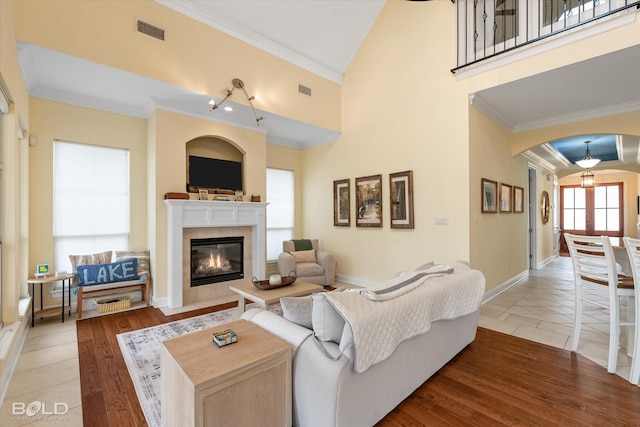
{"type": "Point", "coordinates": [587, 180]}
{"type": "Point", "coordinates": [588, 162]}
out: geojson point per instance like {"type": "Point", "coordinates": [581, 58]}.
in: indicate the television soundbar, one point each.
{"type": "Point", "coordinates": [214, 173]}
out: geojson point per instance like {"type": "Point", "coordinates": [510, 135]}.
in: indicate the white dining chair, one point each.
{"type": "Point", "coordinates": [633, 249]}
{"type": "Point", "coordinates": [595, 271]}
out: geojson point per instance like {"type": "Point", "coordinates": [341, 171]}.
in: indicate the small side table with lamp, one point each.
{"type": "Point", "coordinates": [43, 276]}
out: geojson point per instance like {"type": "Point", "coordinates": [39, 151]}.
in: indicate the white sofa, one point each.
{"type": "Point", "coordinates": [327, 391]}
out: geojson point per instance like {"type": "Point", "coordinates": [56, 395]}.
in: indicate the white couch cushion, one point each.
{"type": "Point", "coordinates": [327, 322]}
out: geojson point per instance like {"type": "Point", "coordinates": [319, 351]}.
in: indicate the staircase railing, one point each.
{"type": "Point", "coordinates": [487, 28]}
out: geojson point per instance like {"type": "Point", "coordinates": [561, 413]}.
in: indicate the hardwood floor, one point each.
{"type": "Point", "coordinates": [504, 380]}
{"type": "Point", "coordinates": [497, 380]}
{"type": "Point", "coordinates": [108, 396]}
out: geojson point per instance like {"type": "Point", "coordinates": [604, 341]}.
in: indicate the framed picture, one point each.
{"type": "Point", "coordinates": [342, 203]}
{"type": "Point", "coordinates": [489, 196]}
{"type": "Point", "coordinates": [401, 199]}
{"type": "Point", "coordinates": [203, 195]}
{"type": "Point", "coordinates": [369, 201]}
{"type": "Point", "coordinates": [518, 199]}
{"type": "Point", "coordinates": [505, 198]}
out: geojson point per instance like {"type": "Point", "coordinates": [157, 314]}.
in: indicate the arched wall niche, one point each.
{"type": "Point", "coordinates": [214, 147]}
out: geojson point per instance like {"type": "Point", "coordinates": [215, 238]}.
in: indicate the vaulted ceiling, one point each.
{"type": "Point", "coordinates": [323, 36]}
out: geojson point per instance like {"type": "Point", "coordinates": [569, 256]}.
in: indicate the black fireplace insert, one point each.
{"type": "Point", "coordinates": [216, 260]}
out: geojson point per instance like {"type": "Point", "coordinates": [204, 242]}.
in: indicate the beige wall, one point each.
{"type": "Point", "coordinates": [193, 56]}
{"type": "Point", "coordinates": [399, 108]}
{"type": "Point", "coordinates": [168, 171]}
{"type": "Point", "coordinates": [544, 232]}
{"type": "Point", "coordinates": [402, 110]}
{"type": "Point", "coordinates": [54, 120]}
{"type": "Point", "coordinates": [498, 240]}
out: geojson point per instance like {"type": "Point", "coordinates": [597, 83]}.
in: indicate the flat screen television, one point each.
{"type": "Point", "coordinates": [214, 173]}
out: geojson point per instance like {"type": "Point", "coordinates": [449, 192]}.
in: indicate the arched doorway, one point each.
{"type": "Point", "coordinates": [609, 208]}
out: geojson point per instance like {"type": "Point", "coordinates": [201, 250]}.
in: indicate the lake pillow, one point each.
{"type": "Point", "coordinates": [98, 274]}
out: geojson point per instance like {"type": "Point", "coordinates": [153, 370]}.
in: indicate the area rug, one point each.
{"type": "Point", "coordinates": [141, 352]}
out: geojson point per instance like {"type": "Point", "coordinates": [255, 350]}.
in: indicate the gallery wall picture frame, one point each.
{"type": "Point", "coordinates": [401, 199]}
{"type": "Point", "coordinates": [342, 203]}
{"type": "Point", "coordinates": [489, 196]}
{"type": "Point", "coordinates": [506, 205]}
{"type": "Point", "coordinates": [518, 199]}
{"type": "Point", "coordinates": [369, 201]}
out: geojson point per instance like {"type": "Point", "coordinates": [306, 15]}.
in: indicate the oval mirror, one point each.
{"type": "Point", "coordinates": [544, 207]}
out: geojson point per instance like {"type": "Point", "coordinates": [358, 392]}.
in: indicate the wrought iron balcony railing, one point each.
{"type": "Point", "coordinates": [487, 28]}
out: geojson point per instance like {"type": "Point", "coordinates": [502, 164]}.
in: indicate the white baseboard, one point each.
{"type": "Point", "coordinates": [355, 281]}
{"type": "Point", "coordinates": [546, 261]}
{"type": "Point", "coordinates": [495, 291]}
{"type": "Point", "coordinates": [160, 302]}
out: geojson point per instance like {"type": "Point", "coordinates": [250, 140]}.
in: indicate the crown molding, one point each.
{"type": "Point", "coordinates": [579, 116]}
{"type": "Point", "coordinates": [478, 102]}
{"type": "Point", "coordinates": [193, 10]}
{"type": "Point", "coordinates": [539, 160]}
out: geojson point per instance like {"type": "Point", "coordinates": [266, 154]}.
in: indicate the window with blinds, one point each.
{"type": "Point", "coordinates": [280, 210]}
{"type": "Point", "coordinates": [90, 200]}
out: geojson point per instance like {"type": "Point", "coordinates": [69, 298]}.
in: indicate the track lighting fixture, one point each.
{"type": "Point", "coordinates": [237, 84]}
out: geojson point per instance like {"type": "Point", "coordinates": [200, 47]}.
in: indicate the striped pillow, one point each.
{"type": "Point", "coordinates": [99, 258]}
{"type": "Point", "coordinates": [143, 257]}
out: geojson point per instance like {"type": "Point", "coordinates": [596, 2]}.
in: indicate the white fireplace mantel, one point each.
{"type": "Point", "coordinates": [183, 214]}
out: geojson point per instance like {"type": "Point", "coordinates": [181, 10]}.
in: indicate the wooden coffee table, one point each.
{"type": "Point", "coordinates": [247, 383]}
{"type": "Point", "coordinates": [267, 297]}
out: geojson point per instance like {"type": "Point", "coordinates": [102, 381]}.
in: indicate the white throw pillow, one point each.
{"type": "Point", "coordinates": [327, 322]}
{"type": "Point", "coordinates": [304, 256]}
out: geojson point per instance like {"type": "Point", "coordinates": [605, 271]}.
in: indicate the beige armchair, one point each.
{"type": "Point", "coordinates": [311, 265]}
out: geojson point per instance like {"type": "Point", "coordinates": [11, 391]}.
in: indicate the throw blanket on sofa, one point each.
{"type": "Point", "coordinates": [380, 326]}
{"type": "Point", "coordinates": [403, 283]}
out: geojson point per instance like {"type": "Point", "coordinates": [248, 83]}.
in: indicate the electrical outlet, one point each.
{"type": "Point", "coordinates": [442, 221]}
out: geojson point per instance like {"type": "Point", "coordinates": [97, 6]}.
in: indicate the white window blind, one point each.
{"type": "Point", "coordinates": [90, 200]}
{"type": "Point", "coordinates": [280, 210]}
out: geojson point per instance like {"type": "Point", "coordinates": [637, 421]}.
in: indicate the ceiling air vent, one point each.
{"type": "Point", "coordinates": [305, 90]}
{"type": "Point", "coordinates": [150, 30]}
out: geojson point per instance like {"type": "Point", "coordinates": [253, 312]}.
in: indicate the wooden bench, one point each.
{"type": "Point", "coordinates": [115, 288]}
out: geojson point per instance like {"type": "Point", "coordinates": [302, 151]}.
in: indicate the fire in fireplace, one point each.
{"type": "Point", "coordinates": [216, 260]}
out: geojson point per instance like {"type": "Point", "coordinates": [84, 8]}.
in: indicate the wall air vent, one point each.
{"type": "Point", "coordinates": [150, 30]}
{"type": "Point", "coordinates": [305, 90]}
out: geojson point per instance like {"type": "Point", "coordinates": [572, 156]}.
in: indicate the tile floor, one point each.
{"type": "Point", "coordinates": [47, 372]}
{"type": "Point", "coordinates": [540, 308]}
